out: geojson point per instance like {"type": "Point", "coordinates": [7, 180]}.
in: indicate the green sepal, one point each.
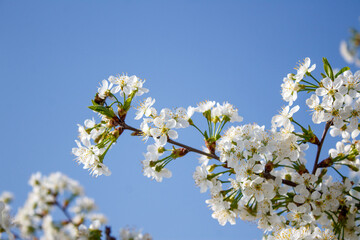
{"type": "Point", "coordinates": [328, 70]}
{"type": "Point", "coordinates": [323, 75]}
{"type": "Point", "coordinates": [103, 110]}
{"type": "Point", "coordinates": [344, 69]}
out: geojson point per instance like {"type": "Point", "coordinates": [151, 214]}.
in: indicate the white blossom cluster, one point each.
{"type": "Point", "coordinates": [264, 175]}
{"type": "Point", "coordinates": [161, 127]}
{"type": "Point", "coordinates": [254, 174]}
{"type": "Point", "coordinates": [57, 209]}
{"type": "Point", "coordinates": [97, 138]}
{"type": "Point", "coordinates": [89, 154]}
{"type": "Point", "coordinates": [302, 233]}
{"type": "Point", "coordinates": [132, 234]}
{"type": "Point", "coordinates": [122, 84]}
{"type": "Point", "coordinates": [349, 50]}
{"type": "Point", "coordinates": [56, 191]}
{"type": "Point", "coordinates": [5, 220]}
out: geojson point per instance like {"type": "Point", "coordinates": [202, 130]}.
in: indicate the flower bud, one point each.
{"type": "Point", "coordinates": [355, 169]}
{"type": "Point", "coordinates": [190, 121]}
{"type": "Point", "coordinates": [211, 168]}
{"type": "Point", "coordinates": [179, 152]}
{"type": "Point", "coordinates": [288, 177]}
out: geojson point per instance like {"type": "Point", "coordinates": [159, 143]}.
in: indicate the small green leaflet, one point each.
{"type": "Point", "coordinates": [103, 110]}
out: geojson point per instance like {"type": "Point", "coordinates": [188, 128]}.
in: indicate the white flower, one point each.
{"type": "Point", "coordinates": [201, 180]}
{"type": "Point", "coordinates": [104, 89]}
{"type": "Point", "coordinates": [121, 83]}
{"type": "Point", "coordinates": [150, 168]}
{"type": "Point", "coordinates": [289, 89]}
{"type": "Point", "coordinates": [259, 189]}
{"type": "Point", "coordinates": [330, 87]}
{"type": "Point", "coordinates": [205, 106]}
{"type": "Point", "coordinates": [181, 116]}
{"type": "Point", "coordinates": [224, 216]}
{"type": "Point", "coordinates": [346, 53]}
{"type": "Point", "coordinates": [145, 108]}
{"type": "Point", "coordinates": [163, 128]}
{"type": "Point", "coordinates": [303, 69]}
{"type": "Point", "coordinates": [284, 117]}
{"type": "Point", "coordinates": [319, 114]}
{"type": "Point", "coordinates": [5, 220]}
{"type": "Point", "coordinates": [136, 85]}
{"type": "Point", "coordinates": [132, 234]}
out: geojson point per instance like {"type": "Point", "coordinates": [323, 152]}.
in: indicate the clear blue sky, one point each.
{"type": "Point", "coordinates": [53, 54]}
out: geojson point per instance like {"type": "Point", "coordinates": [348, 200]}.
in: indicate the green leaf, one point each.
{"type": "Point", "coordinates": [344, 69]}
{"type": "Point", "coordinates": [103, 110]}
{"type": "Point", "coordinates": [206, 135]}
{"type": "Point", "coordinates": [328, 69]}
{"type": "Point", "coordinates": [127, 104]}
{"type": "Point", "coordinates": [357, 188]}
{"type": "Point", "coordinates": [95, 234]}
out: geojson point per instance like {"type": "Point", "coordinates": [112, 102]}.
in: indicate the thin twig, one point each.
{"type": "Point", "coordinates": [214, 156]}
{"type": "Point", "coordinates": [190, 149]}
{"type": "Point", "coordinates": [327, 126]}
{"type": "Point", "coordinates": [64, 210]}
{"type": "Point", "coordinates": [284, 181]}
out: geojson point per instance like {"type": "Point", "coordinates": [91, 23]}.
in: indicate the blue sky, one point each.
{"type": "Point", "coordinates": [53, 54]}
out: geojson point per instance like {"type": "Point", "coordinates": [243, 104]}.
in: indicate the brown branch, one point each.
{"type": "Point", "coordinates": [327, 126]}
{"type": "Point", "coordinates": [108, 234]}
{"type": "Point", "coordinates": [284, 181]}
{"type": "Point", "coordinates": [214, 156]}
{"type": "Point", "coordinates": [190, 149]}
{"type": "Point", "coordinates": [64, 210]}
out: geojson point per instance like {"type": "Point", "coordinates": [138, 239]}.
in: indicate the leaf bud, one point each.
{"type": "Point", "coordinates": [211, 145]}
{"type": "Point", "coordinates": [122, 113]}
{"type": "Point", "coordinates": [269, 166]}
{"type": "Point", "coordinates": [326, 163]}
{"type": "Point", "coordinates": [99, 100]}
{"type": "Point", "coordinates": [302, 169]}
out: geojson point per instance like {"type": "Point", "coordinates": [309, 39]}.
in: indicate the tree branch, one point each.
{"type": "Point", "coordinates": [64, 210]}
{"type": "Point", "coordinates": [214, 156]}
{"type": "Point", "coordinates": [327, 126]}
{"type": "Point", "coordinates": [190, 149]}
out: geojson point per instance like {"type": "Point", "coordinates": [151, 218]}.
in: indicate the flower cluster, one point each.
{"type": "Point", "coordinates": [349, 50]}
{"type": "Point", "coordinates": [97, 138]}
{"type": "Point", "coordinates": [49, 193]}
{"type": "Point", "coordinates": [132, 234]}
{"type": "Point", "coordinates": [303, 233]}
{"type": "Point", "coordinates": [253, 173]}
{"type": "Point", "coordinates": [161, 128]}
{"type": "Point", "coordinates": [268, 180]}
{"type": "Point", "coordinates": [5, 219]}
